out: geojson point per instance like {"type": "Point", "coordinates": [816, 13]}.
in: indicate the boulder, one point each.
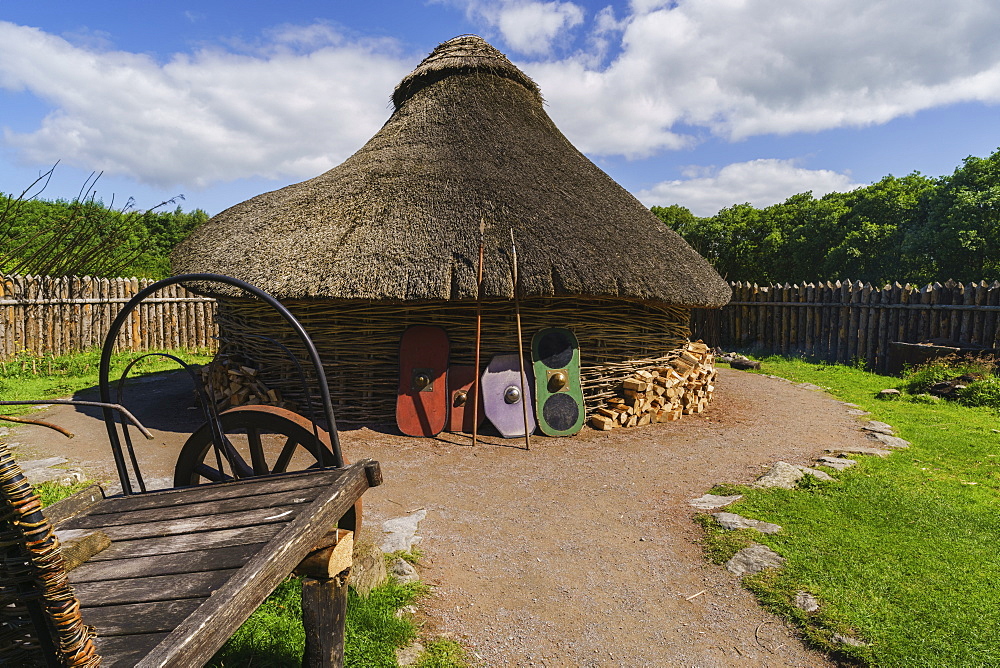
{"type": "Point", "coordinates": [754, 559]}
{"type": "Point", "coordinates": [732, 521]}
{"type": "Point", "coordinates": [839, 463]}
{"type": "Point", "coordinates": [403, 571]}
{"type": "Point", "coordinates": [806, 601]}
{"type": "Point", "coordinates": [368, 570]}
{"type": "Point", "coordinates": [885, 440]}
{"type": "Point", "coordinates": [713, 501]}
{"type": "Point", "coordinates": [878, 427]}
{"type": "Point", "coordinates": [782, 475]}
{"type": "Point", "coordinates": [401, 532]}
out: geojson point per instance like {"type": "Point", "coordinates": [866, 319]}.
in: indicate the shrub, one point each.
{"type": "Point", "coordinates": [920, 379]}
{"type": "Point", "coordinates": [984, 392]}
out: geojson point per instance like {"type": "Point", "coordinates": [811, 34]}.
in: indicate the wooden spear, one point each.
{"type": "Point", "coordinates": [479, 331]}
{"type": "Point", "coordinates": [520, 346]}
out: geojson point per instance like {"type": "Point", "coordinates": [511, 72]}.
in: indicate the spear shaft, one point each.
{"type": "Point", "coordinates": [479, 332]}
{"type": "Point", "coordinates": [520, 340]}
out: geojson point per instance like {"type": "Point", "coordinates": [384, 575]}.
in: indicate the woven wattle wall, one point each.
{"type": "Point", "coordinates": [358, 342]}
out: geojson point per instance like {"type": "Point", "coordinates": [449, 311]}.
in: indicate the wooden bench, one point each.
{"type": "Point", "coordinates": [187, 566]}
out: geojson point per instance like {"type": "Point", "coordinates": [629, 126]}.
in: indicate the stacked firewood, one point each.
{"type": "Point", "coordinates": [231, 383]}
{"type": "Point", "coordinates": [662, 394]}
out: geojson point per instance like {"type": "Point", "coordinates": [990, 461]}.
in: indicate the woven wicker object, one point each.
{"type": "Point", "coordinates": [39, 615]}
{"type": "Point", "coordinates": [393, 233]}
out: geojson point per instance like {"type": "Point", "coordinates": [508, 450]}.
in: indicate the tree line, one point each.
{"type": "Point", "coordinates": [913, 228]}
{"type": "Point", "coordinates": [84, 236]}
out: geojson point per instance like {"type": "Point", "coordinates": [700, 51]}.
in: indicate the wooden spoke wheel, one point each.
{"type": "Point", "coordinates": [260, 440]}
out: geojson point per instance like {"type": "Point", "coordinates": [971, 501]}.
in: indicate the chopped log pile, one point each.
{"type": "Point", "coordinates": [662, 394]}
{"type": "Point", "coordinates": [231, 383]}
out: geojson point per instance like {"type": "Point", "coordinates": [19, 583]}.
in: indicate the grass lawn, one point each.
{"type": "Point", "coordinates": [904, 552]}
{"type": "Point", "coordinates": [28, 377]}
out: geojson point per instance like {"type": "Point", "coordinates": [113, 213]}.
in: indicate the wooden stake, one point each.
{"type": "Point", "coordinates": [520, 342]}
{"type": "Point", "coordinates": [479, 332]}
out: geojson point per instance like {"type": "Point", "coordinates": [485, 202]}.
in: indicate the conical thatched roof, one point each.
{"type": "Point", "coordinates": [468, 141]}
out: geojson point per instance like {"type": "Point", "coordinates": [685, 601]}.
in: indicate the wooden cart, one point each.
{"type": "Point", "coordinates": [165, 577]}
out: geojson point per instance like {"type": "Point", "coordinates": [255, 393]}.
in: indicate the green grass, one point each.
{"type": "Point", "coordinates": [273, 636]}
{"type": "Point", "coordinates": [50, 492]}
{"type": "Point", "coordinates": [902, 551]}
{"type": "Point", "coordinates": [28, 377]}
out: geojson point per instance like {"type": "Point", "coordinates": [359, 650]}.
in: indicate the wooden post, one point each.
{"type": "Point", "coordinates": [991, 337]}
{"type": "Point", "coordinates": [324, 611]}
{"type": "Point", "coordinates": [854, 336]}
{"type": "Point", "coordinates": [324, 600]}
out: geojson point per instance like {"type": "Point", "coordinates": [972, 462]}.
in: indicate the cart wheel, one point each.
{"type": "Point", "coordinates": [261, 440]}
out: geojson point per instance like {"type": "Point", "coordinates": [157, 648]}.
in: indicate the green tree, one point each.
{"type": "Point", "coordinates": [961, 235]}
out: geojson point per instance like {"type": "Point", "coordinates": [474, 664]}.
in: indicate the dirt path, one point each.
{"type": "Point", "coordinates": [582, 552]}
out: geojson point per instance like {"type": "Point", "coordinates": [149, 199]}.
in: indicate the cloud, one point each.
{"type": "Point", "coordinates": [740, 68]}
{"type": "Point", "coordinates": [648, 77]}
{"type": "Point", "coordinates": [527, 26]}
{"type": "Point", "coordinates": [760, 182]}
{"type": "Point", "coordinates": [292, 107]}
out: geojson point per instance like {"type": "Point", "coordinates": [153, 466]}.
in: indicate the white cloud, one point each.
{"type": "Point", "coordinates": [739, 68]}
{"type": "Point", "coordinates": [527, 26]}
{"type": "Point", "coordinates": [305, 97]}
{"type": "Point", "coordinates": [760, 182]}
{"type": "Point", "coordinates": [295, 107]}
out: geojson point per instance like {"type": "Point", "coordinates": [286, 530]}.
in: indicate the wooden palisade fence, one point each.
{"type": "Point", "coordinates": [42, 315]}
{"type": "Point", "coordinates": [847, 321]}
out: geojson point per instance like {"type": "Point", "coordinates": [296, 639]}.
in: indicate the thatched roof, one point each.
{"type": "Point", "coordinates": [468, 141]}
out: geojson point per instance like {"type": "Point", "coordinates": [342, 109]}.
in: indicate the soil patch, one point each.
{"type": "Point", "coordinates": [582, 551]}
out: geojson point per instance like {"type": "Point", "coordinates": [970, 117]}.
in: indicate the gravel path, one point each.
{"type": "Point", "coordinates": [582, 551]}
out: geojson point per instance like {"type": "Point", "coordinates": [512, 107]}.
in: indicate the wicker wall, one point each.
{"type": "Point", "coordinates": [359, 340]}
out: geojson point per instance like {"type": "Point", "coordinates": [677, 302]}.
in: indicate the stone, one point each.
{"type": "Point", "coordinates": [754, 559]}
{"type": "Point", "coordinates": [889, 393]}
{"type": "Point", "coordinates": [405, 610]}
{"type": "Point", "coordinates": [368, 570]}
{"type": "Point", "coordinates": [839, 463]}
{"type": "Point", "coordinates": [713, 501]}
{"type": "Point", "coordinates": [859, 450]}
{"type": "Point", "coordinates": [58, 476]}
{"type": "Point", "coordinates": [857, 411]}
{"type": "Point", "coordinates": [878, 427]}
{"type": "Point", "coordinates": [401, 532]}
{"type": "Point", "coordinates": [894, 442]}
{"type": "Point", "coordinates": [403, 571]}
{"type": "Point", "coordinates": [42, 463]}
{"type": "Point", "coordinates": [847, 640]}
{"type": "Point", "coordinates": [409, 655]}
{"type": "Point", "coordinates": [848, 404]}
{"type": "Point", "coordinates": [732, 522]}
{"type": "Point", "coordinates": [782, 475]}
{"type": "Point", "coordinates": [816, 473]}
{"type": "Point", "coordinates": [809, 386]}
{"type": "Point", "coordinates": [806, 601]}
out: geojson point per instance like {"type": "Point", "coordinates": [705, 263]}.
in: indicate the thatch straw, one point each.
{"type": "Point", "coordinates": [359, 342]}
{"type": "Point", "coordinates": [469, 140]}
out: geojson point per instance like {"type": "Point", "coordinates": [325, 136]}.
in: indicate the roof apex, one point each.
{"type": "Point", "coordinates": [460, 55]}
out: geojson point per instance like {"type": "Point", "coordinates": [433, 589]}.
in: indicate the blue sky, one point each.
{"type": "Point", "coordinates": [704, 103]}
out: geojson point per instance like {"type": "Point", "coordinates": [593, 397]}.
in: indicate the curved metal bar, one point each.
{"type": "Point", "coordinates": [121, 392]}
{"type": "Point", "coordinates": [109, 342]}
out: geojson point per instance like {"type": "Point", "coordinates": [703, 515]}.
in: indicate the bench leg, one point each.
{"type": "Point", "coordinates": [324, 611]}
